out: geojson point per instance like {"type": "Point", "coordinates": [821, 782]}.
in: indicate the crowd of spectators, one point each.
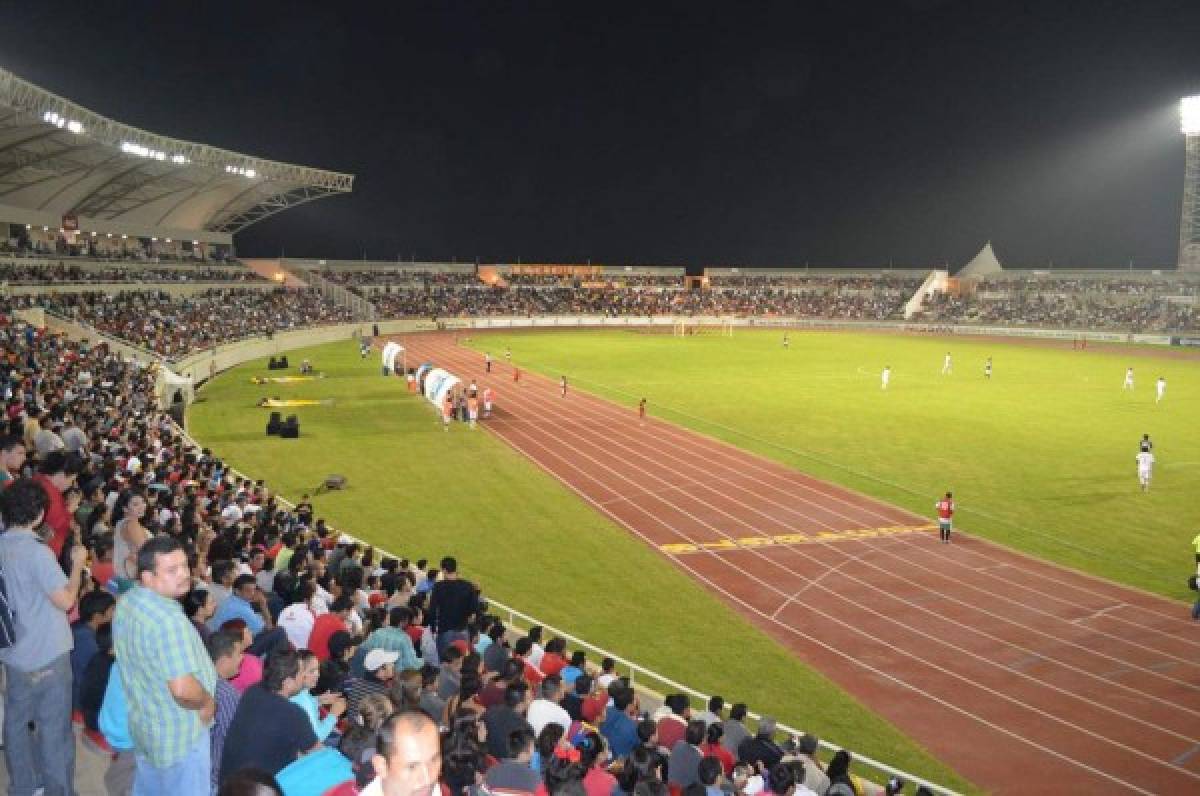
{"type": "Point", "coordinates": [15, 273]}
{"type": "Point", "coordinates": [211, 639]}
{"type": "Point", "coordinates": [174, 326]}
{"type": "Point", "coordinates": [398, 277]}
{"type": "Point", "coordinates": [627, 302]}
{"type": "Point", "coordinates": [1068, 305]}
{"type": "Point", "coordinates": [819, 283]}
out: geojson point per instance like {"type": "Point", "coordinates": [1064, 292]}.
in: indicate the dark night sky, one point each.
{"type": "Point", "coordinates": [835, 133]}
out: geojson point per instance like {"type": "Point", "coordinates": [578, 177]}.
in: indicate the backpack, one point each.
{"type": "Point", "coordinates": [8, 620]}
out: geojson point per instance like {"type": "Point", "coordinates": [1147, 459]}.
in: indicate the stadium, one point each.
{"type": "Point", "coordinates": [693, 512]}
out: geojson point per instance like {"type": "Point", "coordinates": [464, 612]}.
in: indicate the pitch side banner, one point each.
{"type": "Point", "coordinates": [1193, 342]}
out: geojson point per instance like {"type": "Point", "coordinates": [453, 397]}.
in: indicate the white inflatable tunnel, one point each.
{"type": "Point", "coordinates": [438, 382]}
{"type": "Point", "coordinates": [390, 350]}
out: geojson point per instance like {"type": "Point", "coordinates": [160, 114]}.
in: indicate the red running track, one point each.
{"type": "Point", "coordinates": [1024, 676]}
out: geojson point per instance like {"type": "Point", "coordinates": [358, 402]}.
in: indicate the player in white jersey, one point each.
{"type": "Point", "coordinates": [947, 364]}
{"type": "Point", "coordinates": [1128, 379]}
{"type": "Point", "coordinates": [1145, 464]}
{"type": "Point", "coordinates": [1161, 388]}
{"type": "Point", "coordinates": [885, 377]}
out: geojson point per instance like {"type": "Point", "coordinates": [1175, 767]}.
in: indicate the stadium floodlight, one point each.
{"type": "Point", "coordinates": [1189, 222]}
{"type": "Point", "coordinates": [1189, 115]}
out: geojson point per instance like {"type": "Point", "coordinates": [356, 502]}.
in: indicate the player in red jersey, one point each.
{"type": "Point", "coordinates": [945, 512]}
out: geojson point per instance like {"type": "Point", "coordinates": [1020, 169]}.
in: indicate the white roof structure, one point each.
{"type": "Point", "coordinates": [984, 264]}
{"type": "Point", "coordinates": [59, 159]}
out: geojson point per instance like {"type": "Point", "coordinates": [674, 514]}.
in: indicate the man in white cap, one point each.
{"type": "Point", "coordinates": [379, 667]}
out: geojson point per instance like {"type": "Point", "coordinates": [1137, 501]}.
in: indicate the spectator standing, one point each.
{"type": "Point", "coordinates": [167, 674]}
{"type": "Point", "coordinates": [37, 666]}
{"type": "Point", "coordinates": [452, 601]}
{"type": "Point", "coordinates": [269, 732]}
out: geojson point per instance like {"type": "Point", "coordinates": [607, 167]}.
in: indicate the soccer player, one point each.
{"type": "Point", "coordinates": [885, 377]}
{"type": "Point", "coordinates": [1161, 388]}
{"type": "Point", "coordinates": [786, 342]}
{"type": "Point", "coordinates": [642, 410]}
{"type": "Point", "coordinates": [447, 411]}
{"type": "Point", "coordinates": [508, 355]}
{"type": "Point", "coordinates": [1196, 544]}
{"type": "Point", "coordinates": [488, 395]}
{"type": "Point", "coordinates": [1145, 463]}
{"type": "Point", "coordinates": [1128, 385]}
{"type": "Point", "coordinates": [487, 362]}
{"type": "Point", "coordinates": [947, 365]}
{"type": "Point", "coordinates": [945, 512]}
{"type": "Point", "coordinates": [516, 375]}
{"type": "Point", "coordinates": [1145, 446]}
{"type": "Point", "coordinates": [987, 368]}
{"type": "Point", "coordinates": [563, 385]}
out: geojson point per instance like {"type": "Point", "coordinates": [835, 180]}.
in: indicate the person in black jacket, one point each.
{"type": "Point", "coordinates": [95, 678]}
{"type": "Point", "coordinates": [762, 747]}
{"type": "Point", "coordinates": [452, 603]}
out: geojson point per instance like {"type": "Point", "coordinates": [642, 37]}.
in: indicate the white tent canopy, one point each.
{"type": "Point", "coordinates": [167, 383]}
{"type": "Point", "coordinates": [984, 264]}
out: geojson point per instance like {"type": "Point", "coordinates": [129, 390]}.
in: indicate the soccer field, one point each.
{"type": "Point", "coordinates": [526, 538]}
{"type": "Point", "coordinates": [1040, 457]}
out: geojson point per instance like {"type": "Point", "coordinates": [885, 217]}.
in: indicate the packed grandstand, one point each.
{"type": "Point", "coordinates": [279, 604]}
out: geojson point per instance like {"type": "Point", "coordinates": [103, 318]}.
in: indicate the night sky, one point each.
{"type": "Point", "coordinates": [837, 133]}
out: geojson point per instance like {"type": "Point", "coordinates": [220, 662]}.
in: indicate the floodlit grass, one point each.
{"type": "Point", "coordinates": [419, 491]}
{"type": "Point", "coordinates": [1041, 457]}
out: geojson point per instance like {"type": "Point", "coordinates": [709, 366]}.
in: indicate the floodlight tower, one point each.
{"type": "Point", "coordinates": [1189, 223]}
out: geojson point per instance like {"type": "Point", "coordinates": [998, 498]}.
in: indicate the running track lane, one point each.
{"type": "Point", "coordinates": [1024, 676]}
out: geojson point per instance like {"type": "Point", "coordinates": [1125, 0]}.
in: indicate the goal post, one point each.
{"type": "Point", "coordinates": [691, 327]}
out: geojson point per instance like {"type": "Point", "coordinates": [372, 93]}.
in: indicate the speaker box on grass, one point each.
{"type": "Point", "coordinates": [275, 424]}
{"type": "Point", "coordinates": [291, 428]}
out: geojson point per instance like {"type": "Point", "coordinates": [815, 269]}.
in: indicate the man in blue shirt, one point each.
{"type": "Point", "coordinates": [240, 605]}
{"type": "Point", "coordinates": [620, 727]}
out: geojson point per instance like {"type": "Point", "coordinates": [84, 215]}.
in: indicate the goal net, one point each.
{"type": "Point", "coordinates": [691, 328]}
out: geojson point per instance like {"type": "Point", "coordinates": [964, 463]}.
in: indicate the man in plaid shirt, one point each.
{"type": "Point", "coordinates": [167, 675]}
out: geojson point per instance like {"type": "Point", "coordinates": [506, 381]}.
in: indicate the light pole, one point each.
{"type": "Point", "coordinates": [1189, 222]}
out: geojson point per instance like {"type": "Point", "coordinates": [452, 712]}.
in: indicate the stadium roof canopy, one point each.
{"type": "Point", "coordinates": [59, 159]}
{"type": "Point", "coordinates": [983, 264]}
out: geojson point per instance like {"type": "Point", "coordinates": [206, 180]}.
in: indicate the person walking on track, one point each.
{"type": "Point", "coordinates": [563, 385]}
{"type": "Point", "coordinates": [642, 410]}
